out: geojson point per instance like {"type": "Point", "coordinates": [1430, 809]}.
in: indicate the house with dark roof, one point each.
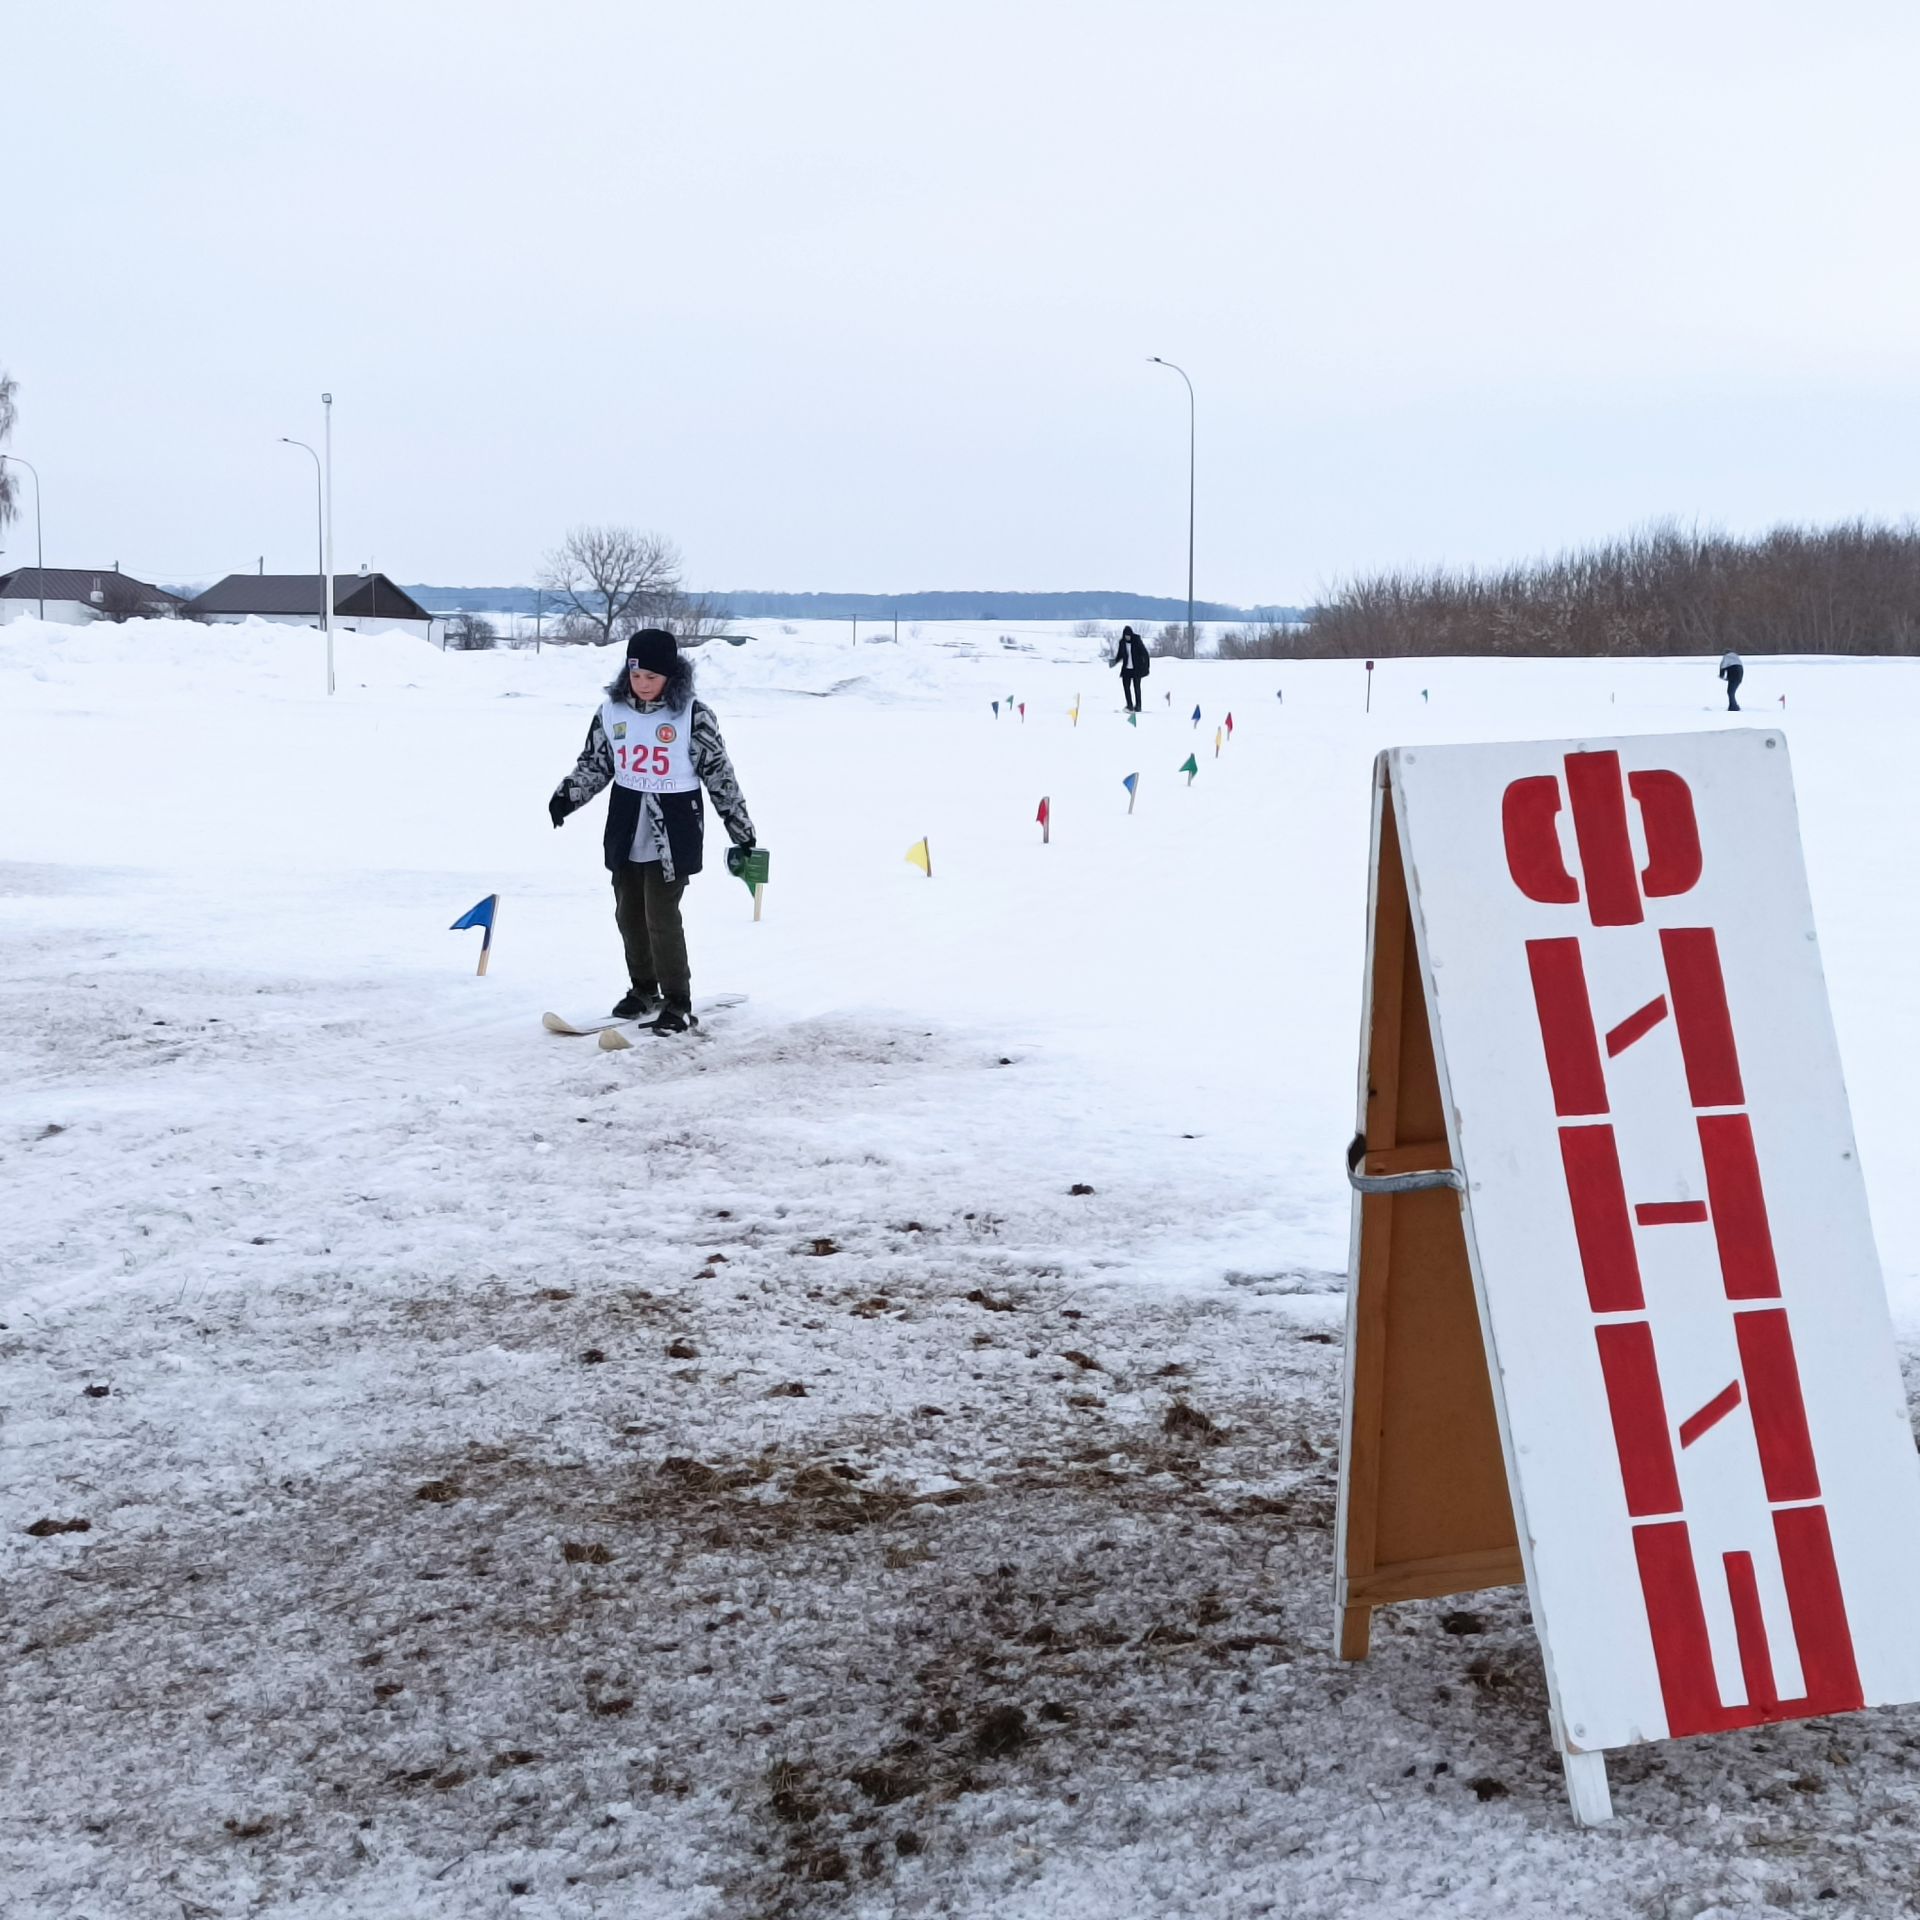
{"type": "Point", "coordinates": [77, 596]}
{"type": "Point", "coordinates": [362, 603]}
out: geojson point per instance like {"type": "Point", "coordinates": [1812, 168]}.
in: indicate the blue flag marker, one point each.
{"type": "Point", "coordinates": [1196, 716]}
{"type": "Point", "coordinates": [480, 916]}
{"type": "Point", "coordinates": [996, 709]}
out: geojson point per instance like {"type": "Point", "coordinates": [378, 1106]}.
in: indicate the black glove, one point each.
{"type": "Point", "coordinates": [556, 810]}
{"type": "Point", "coordinates": [737, 858]}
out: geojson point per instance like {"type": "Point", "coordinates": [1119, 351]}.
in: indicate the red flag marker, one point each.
{"type": "Point", "coordinates": [1045, 817]}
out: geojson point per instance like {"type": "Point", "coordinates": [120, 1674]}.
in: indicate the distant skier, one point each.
{"type": "Point", "coordinates": [656, 744]}
{"type": "Point", "coordinates": [1732, 672]}
{"type": "Point", "coordinates": [1135, 663]}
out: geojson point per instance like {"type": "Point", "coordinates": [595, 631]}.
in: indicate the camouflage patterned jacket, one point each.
{"type": "Point", "coordinates": [677, 819]}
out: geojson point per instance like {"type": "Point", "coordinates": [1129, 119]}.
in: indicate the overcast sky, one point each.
{"type": "Point", "coordinates": [860, 297]}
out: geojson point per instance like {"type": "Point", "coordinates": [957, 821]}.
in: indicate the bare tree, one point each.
{"type": "Point", "coordinates": [9, 486]}
{"type": "Point", "coordinates": [1663, 589]}
{"type": "Point", "coordinates": [573, 630]}
{"type": "Point", "coordinates": [610, 580]}
{"type": "Point", "coordinates": [1257, 641]}
{"type": "Point", "coordinates": [471, 633]}
{"type": "Point", "coordinates": [122, 599]}
{"type": "Point", "coordinates": [693, 619]}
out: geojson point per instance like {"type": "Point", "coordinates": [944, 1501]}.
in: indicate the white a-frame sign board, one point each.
{"type": "Point", "coordinates": [1631, 1346]}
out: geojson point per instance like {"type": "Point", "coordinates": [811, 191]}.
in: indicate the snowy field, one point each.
{"type": "Point", "coordinates": [875, 1459]}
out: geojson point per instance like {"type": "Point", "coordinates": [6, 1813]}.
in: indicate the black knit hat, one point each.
{"type": "Point", "coordinates": [653, 650]}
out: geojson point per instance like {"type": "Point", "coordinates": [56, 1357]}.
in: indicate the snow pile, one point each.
{"type": "Point", "coordinates": [875, 1460]}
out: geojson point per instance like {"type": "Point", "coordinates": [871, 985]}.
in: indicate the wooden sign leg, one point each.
{"type": "Point", "coordinates": [1587, 1791]}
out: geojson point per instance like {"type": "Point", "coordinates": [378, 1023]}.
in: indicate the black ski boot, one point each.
{"type": "Point", "coordinates": [638, 1003]}
{"type": "Point", "coordinates": [675, 1017]}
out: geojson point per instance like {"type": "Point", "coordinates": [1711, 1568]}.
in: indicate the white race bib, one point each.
{"type": "Point", "coordinates": [652, 752]}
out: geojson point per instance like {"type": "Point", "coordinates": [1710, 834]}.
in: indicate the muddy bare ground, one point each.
{"type": "Point", "coordinates": [453, 1549]}
{"type": "Point", "coordinates": [788, 1680]}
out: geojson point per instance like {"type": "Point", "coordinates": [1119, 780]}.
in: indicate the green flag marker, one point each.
{"type": "Point", "coordinates": [1189, 768]}
{"type": "Point", "coordinates": [752, 868]}
{"type": "Point", "coordinates": [1133, 719]}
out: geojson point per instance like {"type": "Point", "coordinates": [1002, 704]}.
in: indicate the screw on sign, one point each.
{"type": "Point", "coordinates": [1615, 889]}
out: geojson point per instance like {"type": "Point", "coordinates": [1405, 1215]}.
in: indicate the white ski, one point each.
{"type": "Point", "coordinates": [606, 1024]}
{"type": "Point", "coordinates": [557, 1023]}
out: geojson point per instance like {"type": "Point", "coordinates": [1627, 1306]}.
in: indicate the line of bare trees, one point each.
{"type": "Point", "coordinates": [1851, 588]}
{"type": "Point", "coordinates": [611, 581]}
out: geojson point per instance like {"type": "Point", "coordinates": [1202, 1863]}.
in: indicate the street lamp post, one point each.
{"type": "Point", "coordinates": [319, 545]}
{"type": "Point", "coordinates": [1182, 372]}
{"type": "Point", "coordinates": [39, 548]}
{"type": "Point", "coordinates": [326, 400]}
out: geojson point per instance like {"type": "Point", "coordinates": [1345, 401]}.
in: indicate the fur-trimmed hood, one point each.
{"type": "Point", "coordinates": [676, 693]}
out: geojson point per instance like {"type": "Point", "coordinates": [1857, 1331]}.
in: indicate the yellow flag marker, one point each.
{"type": "Point", "coordinates": [921, 856]}
{"type": "Point", "coordinates": [1216, 743]}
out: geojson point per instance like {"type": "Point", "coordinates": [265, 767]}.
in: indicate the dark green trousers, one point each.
{"type": "Point", "coordinates": [647, 911]}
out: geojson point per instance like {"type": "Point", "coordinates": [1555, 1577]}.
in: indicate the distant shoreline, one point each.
{"type": "Point", "coordinates": [924, 605]}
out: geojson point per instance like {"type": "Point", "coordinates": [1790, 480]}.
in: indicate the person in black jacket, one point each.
{"type": "Point", "coordinates": [656, 745]}
{"type": "Point", "coordinates": [1135, 663]}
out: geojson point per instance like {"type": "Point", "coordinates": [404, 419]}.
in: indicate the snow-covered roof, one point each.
{"type": "Point", "coordinates": [71, 583]}
{"type": "Point", "coordinates": [269, 593]}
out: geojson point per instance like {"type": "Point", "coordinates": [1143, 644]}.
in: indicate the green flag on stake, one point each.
{"type": "Point", "coordinates": [1189, 767]}
{"type": "Point", "coordinates": [750, 866]}
{"type": "Point", "coordinates": [1133, 719]}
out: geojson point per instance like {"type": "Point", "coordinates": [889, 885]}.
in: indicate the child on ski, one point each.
{"type": "Point", "coordinates": [656, 745]}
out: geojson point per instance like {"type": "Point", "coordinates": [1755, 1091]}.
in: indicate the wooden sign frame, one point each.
{"type": "Point", "coordinates": [1424, 1509]}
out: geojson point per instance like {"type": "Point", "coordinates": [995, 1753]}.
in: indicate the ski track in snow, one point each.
{"type": "Point", "coordinates": [740, 1477]}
